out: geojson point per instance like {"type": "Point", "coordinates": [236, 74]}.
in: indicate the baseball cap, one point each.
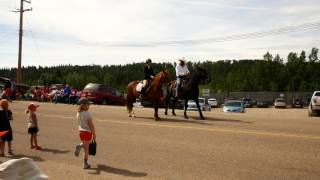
{"type": "Point", "coordinates": [84, 100]}
{"type": "Point", "coordinates": [33, 105]}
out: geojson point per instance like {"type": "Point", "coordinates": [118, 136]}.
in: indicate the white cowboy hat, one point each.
{"type": "Point", "coordinates": [182, 59]}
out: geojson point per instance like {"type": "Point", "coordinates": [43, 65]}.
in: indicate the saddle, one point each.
{"type": "Point", "coordinates": [140, 85]}
{"type": "Point", "coordinates": [182, 85]}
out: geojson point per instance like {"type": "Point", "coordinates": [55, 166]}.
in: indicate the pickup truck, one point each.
{"type": "Point", "coordinates": [314, 106]}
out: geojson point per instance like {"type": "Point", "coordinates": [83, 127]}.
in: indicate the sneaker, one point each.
{"type": "Point", "coordinates": [10, 154]}
{"type": "Point", "coordinates": [86, 166]}
{"type": "Point", "coordinates": [77, 151]}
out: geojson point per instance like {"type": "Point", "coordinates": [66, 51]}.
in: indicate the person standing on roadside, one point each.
{"type": "Point", "coordinates": [5, 118]}
{"type": "Point", "coordinates": [33, 127]}
{"type": "Point", "coordinates": [86, 130]}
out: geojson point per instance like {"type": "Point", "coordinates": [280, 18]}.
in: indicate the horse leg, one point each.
{"type": "Point", "coordinates": [129, 109]}
{"type": "Point", "coordinates": [166, 105]}
{"type": "Point", "coordinates": [185, 109]}
{"type": "Point", "coordinates": [156, 117]}
{"type": "Point", "coordinates": [173, 106]}
{"type": "Point", "coordinates": [199, 109]}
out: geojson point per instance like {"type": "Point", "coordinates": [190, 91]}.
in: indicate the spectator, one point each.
{"type": "Point", "coordinates": [5, 118]}
{"type": "Point", "coordinates": [86, 130]}
{"type": "Point", "coordinates": [66, 94]}
{"type": "Point", "coordinates": [33, 127]}
{"type": "Point", "coordinates": [73, 96]}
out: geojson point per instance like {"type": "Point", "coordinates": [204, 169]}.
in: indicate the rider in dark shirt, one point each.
{"type": "Point", "coordinates": [148, 75]}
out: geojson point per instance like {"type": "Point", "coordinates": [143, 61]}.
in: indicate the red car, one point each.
{"type": "Point", "coordinates": [102, 94]}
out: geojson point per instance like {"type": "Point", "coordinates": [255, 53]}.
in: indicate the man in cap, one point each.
{"type": "Point", "coordinates": [182, 72]}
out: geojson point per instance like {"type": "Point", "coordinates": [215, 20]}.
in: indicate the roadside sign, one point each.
{"type": "Point", "coordinates": [206, 92]}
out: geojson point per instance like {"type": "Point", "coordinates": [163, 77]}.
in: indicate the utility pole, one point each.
{"type": "Point", "coordinates": [21, 11]}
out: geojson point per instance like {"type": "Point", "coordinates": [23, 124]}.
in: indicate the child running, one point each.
{"type": "Point", "coordinates": [33, 127]}
{"type": "Point", "coordinates": [5, 118]}
{"type": "Point", "coordinates": [86, 130]}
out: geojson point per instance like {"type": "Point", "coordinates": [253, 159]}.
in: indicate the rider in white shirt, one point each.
{"type": "Point", "coordinates": [182, 71]}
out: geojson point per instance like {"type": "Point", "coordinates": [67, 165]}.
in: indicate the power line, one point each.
{"type": "Point", "coordinates": [258, 34]}
{"type": "Point", "coordinates": [283, 30]}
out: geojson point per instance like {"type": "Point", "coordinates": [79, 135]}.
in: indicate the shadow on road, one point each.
{"type": "Point", "coordinates": [54, 151]}
{"type": "Point", "coordinates": [35, 158]}
{"type": "Point", "coordinates": [217, 119]}
{"type": "Point", "coordinates": [103, 168]}
{"type": "Point", "coordinates": [182, 120]}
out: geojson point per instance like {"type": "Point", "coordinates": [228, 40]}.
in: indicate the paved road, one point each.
{"type": "Point", "coordinates": [260, 144]}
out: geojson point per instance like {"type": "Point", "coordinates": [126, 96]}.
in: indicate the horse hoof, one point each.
{"type": "Point", "coordinates": [165, 113]}
{"type": "Point", "coordinates": [133, 116]}
{"type": "Point", "coordinates": [202, 118]}
{"type": "Point", "coordinates": [157, 119]}
{"type": "Point", "coordinates": [129, 115]}
{"type": "Point", "coordinates": [173, 114]}
{"type": "Point", "coordinates": [186, 117]}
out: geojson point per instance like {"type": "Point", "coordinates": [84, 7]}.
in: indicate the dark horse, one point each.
{"type": "Point", "coordinates": [189, 91]}
{"type": "Point", "coordinates": [153, 95]}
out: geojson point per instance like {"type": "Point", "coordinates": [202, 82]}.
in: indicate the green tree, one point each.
{"type": "Point", "coordinates": [313, 57]}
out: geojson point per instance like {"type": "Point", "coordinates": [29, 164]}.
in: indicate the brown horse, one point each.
{"type": "Point", "coordinates": [153, 95]}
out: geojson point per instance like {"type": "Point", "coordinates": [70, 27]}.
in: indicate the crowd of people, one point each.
{"type": "Point", "coordinates": [56, 94]}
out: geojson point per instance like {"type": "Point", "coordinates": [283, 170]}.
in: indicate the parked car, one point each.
{"type": "Point", "coordinates": [234, 106]}
{"type": "Point", "coordinates": [280, 103]}
{"type": "Point", "coordinates": [202, 103]}
{"type": "Point", "coordinates": [297, 103]}
{"type": "Point", "coordinates": [102, 94]}
{"type": "Point", "coordinates": [248, 102]}
{"type": "Point", "coordinates": [213, 102]}
{"type": "Point", "coordinates": [263, 104]}
{"type": "Point", "coordinates": [314, 106]}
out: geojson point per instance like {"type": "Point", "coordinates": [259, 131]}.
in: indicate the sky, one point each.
{"type": "Point", "coordinates": [105, 32]}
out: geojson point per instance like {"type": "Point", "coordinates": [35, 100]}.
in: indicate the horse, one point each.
{"type": "Point", "coordinates": [153, 95]}
{"type": "Point", "coordinates": [189, 91]}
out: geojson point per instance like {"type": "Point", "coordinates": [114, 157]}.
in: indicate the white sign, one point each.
{"type": "Point", "coordinates": [206, 92]}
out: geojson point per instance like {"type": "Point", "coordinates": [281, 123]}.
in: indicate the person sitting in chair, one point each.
{"type": "Point", "coordinates": [182, 72]}
{"type": "Point", "coordinates": [148, 75]}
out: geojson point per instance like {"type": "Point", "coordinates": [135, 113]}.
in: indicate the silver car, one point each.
{"type": "Point", "coordinates": [234, 106]}
{"type": "Point", "coordinates": [202, 103]}
{"type": "Point", "coordinates": [280, 103]}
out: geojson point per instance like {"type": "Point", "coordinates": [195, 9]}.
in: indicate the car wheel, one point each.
{"type": "Point", "coordinates": [104, 102]}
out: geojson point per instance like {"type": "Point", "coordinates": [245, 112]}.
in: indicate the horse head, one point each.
{"type": "Point", "coordinates": [201, 73]}
{"type": "Point", "coordinates": [162, 76]}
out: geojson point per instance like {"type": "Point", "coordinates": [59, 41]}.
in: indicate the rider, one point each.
{"type": "Point", "coordinates": [182, 72]}
{"type": "Point", "coordinates": [148, 75]}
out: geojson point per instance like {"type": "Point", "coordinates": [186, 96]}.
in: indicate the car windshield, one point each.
{"type": "Point", "coordinates": [201, 101]}
{"type": "Point", "coordinates": [236, 104]}
{"type": "Point", "coordinates": [317, 94]}
{"type": "Point", "coordinates": [280, 100]}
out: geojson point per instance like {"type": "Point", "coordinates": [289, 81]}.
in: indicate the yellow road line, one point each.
{"type": "Point", "coordinates": [196, 128]}
{"type": "Point", "coordinates": [214, 129]}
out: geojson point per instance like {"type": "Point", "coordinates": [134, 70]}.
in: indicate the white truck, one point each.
{"type": "Point", "coordinates": [314, 106]}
